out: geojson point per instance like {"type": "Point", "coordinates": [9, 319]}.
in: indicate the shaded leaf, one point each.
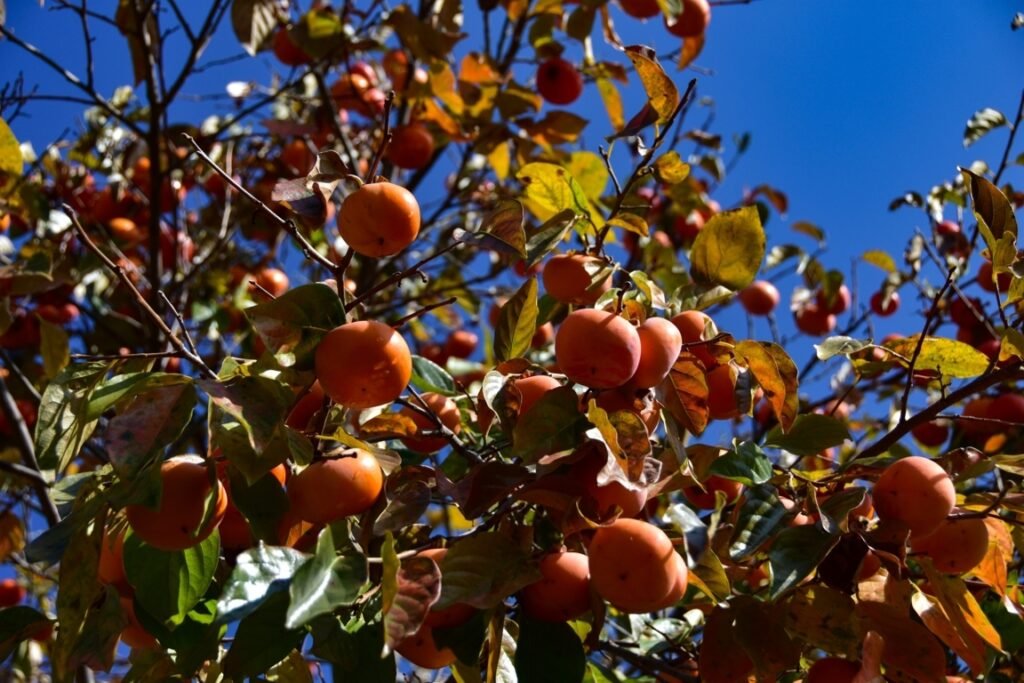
{"type": "Point", "coordinates": [151, 421]}
{"type": "Point", "coordinates": [518, 323]}
{"type": "Point", "coordinates": [810, 434]}
{"type": "Point", "coordinates": [169, 583]}
{"type": "Point", "coordinates": [553, 424]}
{"type": "Point", "coordinates": [910, 652]}
{"type": "Point", "coordinates": [262, 639]}
{"type": "Point", "coordinates": [823, 617]}
{"type": "Point", "coordinates": [253, 21]}
{"type": "Point", "coordinates": [429, 376]}
{"type": "Point", "coordinates": [325, 582]}
{"type": "Point", "coordinates": [293, 324]}
{"type": "Point", "coordinates": [992, 209]}
{"type": "Point", "coordinates": [484, 569]}
{"type": "Point", "coordinates": [54, 347]}
{"type": "Point", "coordinates": [794, 555]}
{"type": "Point", "coordinates": [745, 463]}
{"type": "Point", "coordinates": [839, 346]}
{"type": "Point", "coordinates": [504, 223]}
{"type": "Point", "coordinates": [17, 624]}
{"type": "Point", "coordinates": [760, 515]}
{"type": "Point", "coordinates": [418, 585]}
{"type": "Point", "coordinates": [548, 652]}
{"type": "Point", "coordinates": [259, 573]}
{"type": "Point", "coordinates": [684, 393]}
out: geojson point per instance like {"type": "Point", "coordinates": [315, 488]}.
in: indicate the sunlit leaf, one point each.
{"type": "Point", "coordinates": [983, 121]}
{"type": "Point", "coordinates": [661, 91]}
{"type": "Point", "coordinates": [729, 250]}
{"type": "Point", "coordinates": [950, 357]}
{"type": "Point", "coordinates": [776, 373]}
{"type": "Point", "coordinates": [518, 323]}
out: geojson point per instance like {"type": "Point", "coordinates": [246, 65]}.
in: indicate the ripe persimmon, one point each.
{"type": "Point", "coordinates": [597, 349]}
{"type": "Point", "coordinates": [604, 499]}
{"type": "Point", "coordinates": [563, 591]}
{"type": "Point", "coordinates": [126, 231]}
{"type": "Point", "coordinates": [832, 670]}
{"type": "Point", "coordinates": [298, 157]}
{"type": "Point", "coordinates": [421, 650]}
{"type": "Point", "coordinates": [11, 593]}
{"type": "Point", "coordinates": [692, 325]}
{"type": "Point", "coordinates": [759, 298]}
{"type": "Point", "coordinates": [363, 364]}
{"type": "Point", "coordinates": [308, 405]}
{"type": "Point", "coordinates": [379, 219]}
{"type": "Point", "coordinates": [445, 409]}
{"type": "Point", "coordinates": [692, 21]}
{"type": "Point", "coordinates": [133, 635]}
{"type": "Point", "coordinates": [559, 82]}
{"type": "Point", "coordinates": [569, 278]}
{"type": "Point", "coordinates": [453, 615]}
{"type": "Point", "coordinates": [411, 146]}
{"type": "Point", "coordinates": [461, 344]}
{"type": "Point", "coordinates": [979, 407]}
{"type": "Point", "coordinates": [178, 522]}
{"type": "Point", "coordinates": [111, 566]}
{"type": "Point", "coordinates": [396, 65]}
{"type": "Point", "coordinates": [331, 489]}
{"type": "Point", "coordinates": [705, 499]}
{"type": "Point", "coordinates": [274, 280]}
{"type": "Point", "coordinates": [532, 388]}
{"type": "Point", "coordinates": [836, 304]}
{"type": "Point", "coordinates": [722, 403]}
{"type": "Point", "coordinates": [882, 307]}
{"type": "Point", "coordinates": [814, 321]}
{"type": "Point", "coordinates": [679, 587]}
{"type": "Point", "coordinates": [287, 50]}
{"type": "Point", "coordinates": [660, 344]}
{"type": "Point", "coordinates": [989, 283]}
{"type": "Point", "coordinates": [956, 546]}
{"type": "Point", "coordinates": [916, 492]}
{"type": "Point", "coordinates": [931, 434]}
{"type": "Point", "coordinates": [641, 9]}
{"type": "Point", "coordinates": [632, 565]}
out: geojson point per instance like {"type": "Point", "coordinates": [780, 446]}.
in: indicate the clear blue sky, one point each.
{"type": "Point", "coordinates": [849, 103]}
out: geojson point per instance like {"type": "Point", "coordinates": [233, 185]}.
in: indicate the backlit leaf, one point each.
{"type": "Point", "coordinates": [881, 259]}
{"type": "Point", "coordinates": [325, 581]}
{"type": "Point", "coordinates": [11, 162]}
{"type": "Point", "coordinates": [549, 189]}
{"type": "Point", "coordinates": [729, 250]}
{"type": "Point", "coordinates": [992, 569]}
{"type": "Point", "coordinates": [661, 91]}
{"type": "Point", "coordinates": [947, 356]}
{"type": "Point", "coordinates": [518, 323]}
{"type": "Point", "coordinates": [259, 573]}
{"type": "Point", "coordinates": [983, 121]}
{"type": "Point", "coordinates": [505, 223]}
{"type": "Point", "coordinates": [776, 373]}
{"type": "Point", "coordinates": [684, 393]}
{"type": "Point", "coordinates": [253, 21]}
{"type": "Point", "coordinates": [54, 347]}
{"type": "Point", "coordinates": [670, 168]}
{"type": "Point", "coordinates": [992, 209]}
{"type": "Point", "coordinates": [823, 617]}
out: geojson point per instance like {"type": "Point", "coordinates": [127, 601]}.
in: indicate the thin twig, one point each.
{"type": "Point", "coordinates": [932, 313]}
{"type": "Point", "coordinates": [28, 452]}
{"type": "Point", "coordinates": [426, 309]}
{"type": "Point", "coordinates": [399, 276]}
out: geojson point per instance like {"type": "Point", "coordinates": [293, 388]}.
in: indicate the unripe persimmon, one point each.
{"type": "Point", "coordinates": [331, 489]}
{"type": "Point", "coordinates": [563, 592]}
{"type": "Point", "coordinates": [363, 364]}
{"type": "Point", "coordinates": [916, 492]}
{"type": "Point", "coordinates": [705, 499]}
{"type": "Point", "coordinates": [453, 615]}
{"type": "Point", "coordinates": [813, 321]}
{"type": "Point", "coordinates": [133, 635]}
{"type": "Point", "coordinates": [832, 670]}
{"type": "Point", "coordinates": [446, 410]}
{"type": "Point", "coordinates": [379, 219]}
{"type": "Point", "coordinates": [411, 146]}
{"type": "Point", "coordinates": [461, 344]}
{"type": "Point", "coordinates": [759, 298]}
{"type": "Point", "coordinates": [178, 522]}
{"type": "Point", "coordinates": [273, 280]}
{"type": "Point", "coordinates": [692, 21]}
{"type": "Point", "coordinates": [421, 650]}
{"type": "Point", "coordinates": [660, 344]}
{"type": "Point", "coordinates": [597, 349]}
{"type": "Point", "coordinates": [632, 565]}
{"type": "Point", "coordinates": [722, 403]}
{"type": "Point", "coordinates": [884, 308]}
{"type": "Point", "coordinates": [287, 50]}
{"type": "Point", "coordinates": [532, 388]}
{"type": "Point", "coordinates": [956, 546]}
{"type": "Point", "coordinates": [568, 278]}
{"type": "Point", "coordinates": [559, 82]}
{"type": "Point", "coordinates": [692, 326]}
{"type": "Point", "coordinates": [641, 9]}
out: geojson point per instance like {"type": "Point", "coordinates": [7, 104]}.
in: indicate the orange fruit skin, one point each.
{"type": "Point", "coordinates": [445, 409]}
{"type": "Point", "coordinates": [273, 280]}
{"type": "Point", "coordinates": [813, 321]}
{"type": "Point", "coordinates": [532, 388]}
{"type": "Point", "coordinates": [956, 546]}
{"type": "Point", "coordinates": [566, 279]}
{"type": "Point", "coordinates": [691, 325]}
{"type": "Point", "coordinates": [456, 614]}
{"type": "Point", "coordinates": [379, 219]}
{"type": "Point", "coordinates": [722, 392]}
{"type": "Point", "coordinates": [563, 592]}
{"type": "Point", "coordinates": [461, 344]}
{"type": "Point", "coordinates": [111, 567]}
{"type": "Point", "coordinates": [176, 524]}
{"type": "Point", "coordinates": [559, 82]}
{"type": "Point", "coordinates": [679, 587]}
{"type": "Point", "coordinates": [126, 230]}
{"type": "Point", "coordinates": [610, 495]}
{"type": "Point", "coordinates": [411, 146]}
{"type": "Point", "coordinates": [11, 593]}
{"type": "Point", "coordinates": [623, 399]}
{"type": "Point", "coordinates": [693, 21]}
{"type": "Point", "coordinates": [832, 670]}
{"type": "Point", "coordinates": [287, 51]}
{"type": "Point", "coordinates": [705, 500]}
{"type": "Point", "coordinates": [328, 490]}
{"type": "Point", "coordinates": [839, 304]}
{"type": "Point", "coordinates": [363, 364]}
{"type": "Point", "coordinates": [632, 565]}
{"type": "Point", "coordinates": [306, 407]}
{"type": "Point", "coordinates": [641, 9]}
{"type": "Point", "coordinates": [421, 650]}
{"type": "Point", "coordinates": [133, 635]}
{"type": "Point", "coordinates": [660, 344]}
{"type": "Point", "coordinates": [988, 283]}
{"type": "Point", "coordinates": [759, 298]}
{"type": "Point", "coordinates": [298, 157]}
{"type": "Point", "coordinates": [597, 349]}
{"type": "Point", "coordinates": [916, 492]}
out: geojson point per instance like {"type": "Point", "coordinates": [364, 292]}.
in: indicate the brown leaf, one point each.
{"type": "Point", "coordinates": [775, 371]}
{"type": "Point", "coordinates": [992, 569]}
{"type": "Point", "coordinates": [388, 426]}
{"type": "Point", "coordinates": [759, 630]}
{"type": "Point", "coordinates": [823, 617]}
{"type": "Point", "coordinates": [418, 587]}
{"type": "Point", "coordinates": [684, 393]}
{"type": "Point", "coordinates": [12, 535]}
{"type": "Point", "coordinates": [720, 660]}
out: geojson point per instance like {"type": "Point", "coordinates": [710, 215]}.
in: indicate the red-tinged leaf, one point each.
{"type": "Point", "coordinates": [484, 569]}
{"type": "Point", "coordinates": [418, 586]}
{"type": "Point", "coordinates": [911, 653]}
{"type": "Point", "coordinates": [776, 372]}
{"type": "Point", "coordinates": [150, 422]}
{"type": "Point", "coordinates": [992, 569]}
{"type": "Point", "coordinates": [720, 660]}
{"type": "Point", "coordinates": [960, 607]}
{"type": "Point", "coordinates": [408, 496]}
{"type": "Point", "coordinates": [871, 659]}
{"type": "Point", "coordinates": [934, 617]}
{"type": "Point", "coordinates": [684, 393]}
{"type": "Point", "coordinates": [692, 47]}
{"type": "Point", "coordinates": [485, 485]}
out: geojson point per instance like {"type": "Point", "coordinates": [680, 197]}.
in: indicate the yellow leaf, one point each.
{"type": "Point", "coordinates": [692, 48]}
{"type": "Point", "coordinates": [442, 84]}
{"type": "Point", "coordinates": [12, 535]}
{"type": "Point", "coordinates": [590, 172]}
{"type": "Point", "coordinates": [937, 621]}
{"type": "Point", "coordinates": [661, 91]}
{"type": "Point", "coordinates": [11, 161]}
{"type": "Point", "coordinates": [949, 357]}
{"type": "Point", "coordinates": [671, 169]}
{"type": "Point", "coordinates": [612, 100]}
{"type": "Point", "coordinates": [729, 250]}
{"type": "Point", "coordinates": [500, 160]}
{"type": "Point", "coordinates": [631, 223]}
{"type": "Point", "coordinates": [959, 604]}
{"type": "Point", "coordinates": [549, 189]}
{"type": "Point", "coordinates": [992, 569]}
{"type": "Point", "coordinates": [882, 259]}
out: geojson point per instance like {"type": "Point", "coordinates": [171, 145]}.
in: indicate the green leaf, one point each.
{"type": "Point", "coordinates": [169, 584]}
{"type": "Point", "coordinates": [992, 209]}
{"type": "Point", "coordinates": [18, 623]}
{"type": "Point", "coordinates": [150, 422]}
{"type": "Point", "coordinates": [554, 423]}
{"type": "Point", "coordinates": [795, 553]}
{"type": "Point", "coordinates": [809, 435]}
{"type": "Point", "coordinates": [354, 648]}
{"type": "Point", "coordinates": [429, 376]}
{"type": "Point", "coordinates": [549, 189]}
{"type": "Point", "coordinates": [549, 652]}
{"type": "Point", "coordinates": [64, 423]}
{"type": "Point", "coordinates": [881, 259]}
{"type": "Point", "coordinates": [518, 323]}
{"type": "Point", "coordinates": [983, 121]}
{"type": "Point", "coordinates": [837, 508]}
{"type": "Point", "coordinates": [484, 569]}
{"type": "Point", "coordinates": [259, 405]}
{"type": "Point", "coordinates": [549, 236]}
{"type": "Point", "coordinates": [259, 573]}
{"type": "Point", "coordinates": [746, 463]}
{"type": "Point", "coordinates": [262, 639]}
{"type": "Point", "coordinates": [253, 22]}
{"type": "Point", "coordinates": [661, 91]}
{"type": "Point", "coordinates": [839, 346]}
{"type": "Point", "coordinates": [54, 347]}
{"type": "Point", "coordinates": [293, 324]}
{"type": "Point", "coordinates": [504, 223]}
{"type": "Point", "coordinates": [590, 172]}
{"type": "Point", "coordinates": [729, 250]}
{"type": "Point", "coordinates": [320, 33]}
{"type": "Point", "coordinates": [263, 503]}
{"type": "Point", "coordinates": [11, 162]}
{"type": "Point", "coordinates": [761, 514]}
{"type": "Point", "coordinates": [325, 582]}
{"type": "Point", "coordinates": [949, 357]}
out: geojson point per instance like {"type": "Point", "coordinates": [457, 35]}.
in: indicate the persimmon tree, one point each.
{"type": "Point", "coordinates": [384, 372]}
